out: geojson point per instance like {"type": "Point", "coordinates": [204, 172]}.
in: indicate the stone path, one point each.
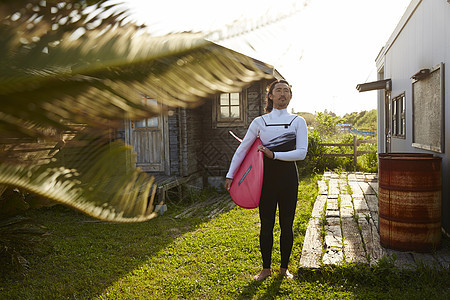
{"type": "Point", "coordinates": [344, 227]}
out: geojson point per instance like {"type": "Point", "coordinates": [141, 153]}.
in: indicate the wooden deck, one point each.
{"type": "Point", "coordinates": [346, 209]}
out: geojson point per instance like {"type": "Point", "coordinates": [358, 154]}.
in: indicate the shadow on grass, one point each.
{"type": "Point", "coordinates": [82, 257]}
{"type": "Point", "coordinates": [253, 287]}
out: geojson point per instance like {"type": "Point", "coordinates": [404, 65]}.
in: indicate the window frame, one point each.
{"type": "Point", "coordinates": [148, 123]}
{"type": "Point", "coordinates": [398, 116]}
{"type": "Point", "coordinates": [219, 121]}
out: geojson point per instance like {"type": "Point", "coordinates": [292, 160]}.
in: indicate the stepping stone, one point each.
{"type": "Point", "coordinates": [319, 206]}
{"type": "Point", "coordinates": [333, 187]}
{"type": "Point", "coordinates": [332, 207]}
{"type": "Point", "coordinates": [323, 187]}
{"type": "Point", "coordinates": [371, 240]}
{"type": "Point", "coordinates": [327, 175]}
{"type": "Point", "coordinates": [372, 202]}
{"type": "Point", "coordinates": [374, 186]}
{"type": "Point", "coordinates": [356, 190]}
{"type": "Point", "coordinates": [360, 176]}
{"type": "Point", "coordinates": [312, 246]}
{"type": "Point", "coordinates": [361, 206]}
{"type": "Point", "coordinates": [353, 244]}
{"type": "Point", "coordinates": [366, 188]}
{"type": "Point", "coordinates": [333, 245]}
{"type": "Point", "coordinates": [346, 206]}
{"type": "Point", "coordinates": [334, 221]}
{"type": "Point", "coordinates": [371, 177]}
{"type": "Point", "coordinates": [351, 177]}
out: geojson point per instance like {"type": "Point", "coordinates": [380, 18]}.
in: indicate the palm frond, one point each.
{"type": "Point", "coordinates": [17, 233]}
{"type": "Point", "coordinates": [102, 74]}
{"type": "Point", "coordinates": [91, 175]}
{"type": "Point", "coordinates": [72, 62]}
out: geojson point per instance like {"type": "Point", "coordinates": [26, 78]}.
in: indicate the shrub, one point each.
{"type": "Point", "coordinates": [316, 162]}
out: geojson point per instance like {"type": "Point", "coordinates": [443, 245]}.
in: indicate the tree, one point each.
{"type": "Point", "coordinates": [368, 120]}
{"type": "Point", "coordinates": [309, 117]}
{"type": "Point", "coordinates": [326, 123]}
{"type": "Point", "coordinates": [72, 69]}
{"type": "Point", "coordinates": [362, 119]}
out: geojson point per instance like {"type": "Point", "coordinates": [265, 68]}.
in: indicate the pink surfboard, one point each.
{"type": "Point", "coordinates": [247, 183]}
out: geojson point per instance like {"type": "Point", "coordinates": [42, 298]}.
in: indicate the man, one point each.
{"type": "Point", "coordinates": [284, 140]}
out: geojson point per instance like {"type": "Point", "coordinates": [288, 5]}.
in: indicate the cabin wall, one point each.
{"type": "Point", "coordinates": [217, 146]}
{"type": "Point", "coordinates": [190, 123]}
{"type": "Point", "coordinates": [422, 43]}
{"type": "Point", "coordinates": [197, 146]}
{"type": "Point", "coordinates": [174, 150]}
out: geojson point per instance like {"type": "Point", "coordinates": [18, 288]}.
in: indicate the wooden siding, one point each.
{"type": "Point", "coordinates": [217, 146]}
{"type": "Point", "coordinates": [173, 144]}
{"type": "Point", "coordinates": [193, 144]}
{"type": "Point", "coordinates": [194, 139]}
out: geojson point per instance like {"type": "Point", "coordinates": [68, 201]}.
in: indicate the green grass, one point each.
{"type": "Point", "coordinates": [195, 258]}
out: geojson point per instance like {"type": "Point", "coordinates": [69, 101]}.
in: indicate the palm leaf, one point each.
{"type": "Point", "coordinates": [92, 176]}
{"type": "Point", "coordinates": [62, 65]}
{"type": "Point", "coordinates": [101, 75]}
{"type": "Point", "coordinates": [17, 233]}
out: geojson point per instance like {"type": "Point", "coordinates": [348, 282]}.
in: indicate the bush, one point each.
{"type": "Point", "coordinates": [315, 161]}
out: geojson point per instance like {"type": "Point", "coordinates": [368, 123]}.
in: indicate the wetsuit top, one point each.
{"type": "Point", "coordinates": [285, 134]}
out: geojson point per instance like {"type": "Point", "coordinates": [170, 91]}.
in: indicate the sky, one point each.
{"type": "Point", "coordinates": [324, 48]}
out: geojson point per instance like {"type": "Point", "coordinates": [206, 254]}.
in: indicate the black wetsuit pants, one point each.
{"type": "Point", "coordinates": [280, 186]}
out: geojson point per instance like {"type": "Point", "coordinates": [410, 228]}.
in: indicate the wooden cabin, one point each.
{"type": "Point", "coordinates": [414, 88]}
{"type": "Point", "coordinates": [193, 146]}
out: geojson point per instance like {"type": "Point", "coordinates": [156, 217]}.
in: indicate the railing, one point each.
{"type": "Point", "coordinates": [355, 145]}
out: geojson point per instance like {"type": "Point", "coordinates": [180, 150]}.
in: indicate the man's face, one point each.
{"type": "Point", "coordinates": [281, 96]}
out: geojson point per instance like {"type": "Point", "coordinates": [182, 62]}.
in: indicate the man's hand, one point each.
{"type": "Point", "coordinates": [228, 183]}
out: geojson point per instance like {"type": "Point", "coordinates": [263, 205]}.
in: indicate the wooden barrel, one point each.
{"type": "Point", "coordinates": [410, 196]}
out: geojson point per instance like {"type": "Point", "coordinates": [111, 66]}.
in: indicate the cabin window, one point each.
{"type": "Point", "coordinates": [150, 122]}
{"type": "Point", "coordinates": [398, 116]}
{"type": "Point", "coordinates": [229, 106]}
{"type": "Point", "coordinates": [229, 110]}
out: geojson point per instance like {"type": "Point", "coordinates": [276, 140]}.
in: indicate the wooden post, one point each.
{"type": "Point", "coordinates": [355, 151]}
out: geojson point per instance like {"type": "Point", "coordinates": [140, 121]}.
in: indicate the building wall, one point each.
{"type": "Point", "coordinates": [188, 138]}
{"type": "Point", "coordinates": [216, 146]}
{"type": "Point", "coordinates": [422, 41]}
{"type": "Point", "coordinates": [174, 129]}
{"type": "Point", "coordinates": [196, 145]}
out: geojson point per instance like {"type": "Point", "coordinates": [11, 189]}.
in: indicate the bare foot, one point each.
{"type": "Point", "coordinates": [263, 274]}
{"type": "Point", "coordinates": [285, 272]}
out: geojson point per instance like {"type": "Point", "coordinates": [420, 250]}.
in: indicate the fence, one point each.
{"type": "Point", "coordinates": [355, 145]}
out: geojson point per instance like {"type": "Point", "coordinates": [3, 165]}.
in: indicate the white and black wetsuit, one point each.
{"type": "Point", "coordinates": [286, 136]}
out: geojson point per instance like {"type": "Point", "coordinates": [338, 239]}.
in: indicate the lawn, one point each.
{"type": "Point", "coordinates": [195, 257]}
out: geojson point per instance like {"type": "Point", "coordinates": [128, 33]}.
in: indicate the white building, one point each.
{"type": "Point", "coordinates": [414, 88]}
